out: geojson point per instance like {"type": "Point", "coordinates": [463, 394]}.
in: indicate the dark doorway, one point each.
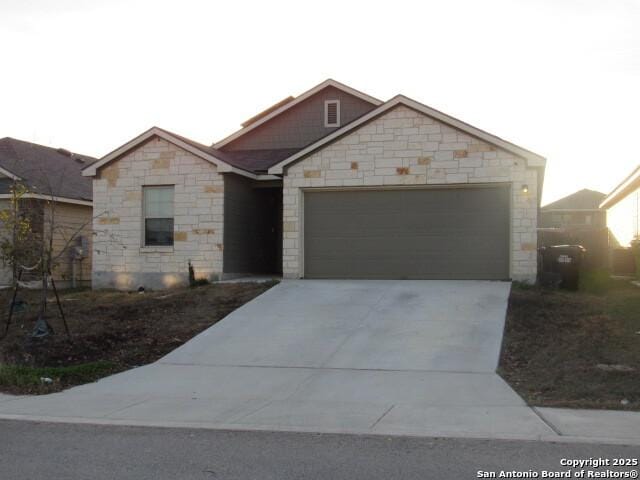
{"type": "Point", "coordinates": [252, 227]}
{"type": "Point", "coordinates": [268, 256]}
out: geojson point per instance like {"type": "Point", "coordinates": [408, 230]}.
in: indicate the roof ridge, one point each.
{"type": "Point", "coordinates": [39, 145]}
{"type": "Point", "coordinates": [45, 169]}
{"type": "Point", "coordinates": [575, 196]}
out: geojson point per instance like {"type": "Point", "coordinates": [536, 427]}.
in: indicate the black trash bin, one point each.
{"type": "Point", "coordinates": [560, 264]}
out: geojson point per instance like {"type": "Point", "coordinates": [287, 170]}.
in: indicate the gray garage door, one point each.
{"type": "Point", "coordinates": [440, 233]}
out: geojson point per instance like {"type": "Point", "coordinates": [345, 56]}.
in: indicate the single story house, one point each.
{"type": "Point", "coordinates": [55, 186]}
{"type": "Point", "coordinates": [622, 206]}
{"type": "Point", "coordinates": [577, 219]}
{"type": "Point", "coordinates": [333, 183]}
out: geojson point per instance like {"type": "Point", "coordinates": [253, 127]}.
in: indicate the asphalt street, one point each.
{"type": "Point", "coordinates": [32, 451]}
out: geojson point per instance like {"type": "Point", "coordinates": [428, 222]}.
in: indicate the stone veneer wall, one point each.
{"type": "Point", "coordinates": [119, 258]}
{"type": "Point", "coordinates": [404, 147]}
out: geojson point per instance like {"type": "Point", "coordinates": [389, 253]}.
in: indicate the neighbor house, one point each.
{"type": "Point", "coordinates": [578, 210]}
{"type": "Point", "coordinates": [623, 207]}
{"type": "Point", "coordinates": [58, 195]}
{"type": "Point", "coordinates": [577, 219]}
{"type": "Point", "coordinates": [333, 183]}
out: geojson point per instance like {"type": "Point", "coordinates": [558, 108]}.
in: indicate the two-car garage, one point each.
{"type": "Point", "coordinates": [407, 191]}
{"type": "Point", "coordinates": [407, 233]}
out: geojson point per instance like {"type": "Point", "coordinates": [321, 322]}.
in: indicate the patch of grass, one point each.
{"type": "Point", "coordinates": [30, 379]}
{"type": "Point", "coordinates": [596, 281]}
{"type": "Point", "coordinates": [518, 285]}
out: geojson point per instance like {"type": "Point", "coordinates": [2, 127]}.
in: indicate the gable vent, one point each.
{"type": "Point", "coordinates": [332, 113]}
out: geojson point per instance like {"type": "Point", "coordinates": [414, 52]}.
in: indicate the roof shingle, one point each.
{"type": "Point", "coordinates": [45, 170]}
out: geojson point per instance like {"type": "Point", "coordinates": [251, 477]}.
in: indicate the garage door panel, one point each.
{"type": "Point", "coordinates": [384, 226]}
{"type": "Point", "coordinates": [411, 233]}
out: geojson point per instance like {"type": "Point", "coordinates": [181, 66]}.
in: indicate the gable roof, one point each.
{"type": "Point", "coordinates": [584, 199]}
{"type": "Point", "coordinates": [46, 171]}
{"type": "Point", "coordinates": [271, 113]}
{"type": "Point", "coordinates": [630, 184]}
{"type": "Point", "coordinates": [533, 159]}
{"type": "Point", "coordinates": [221, 160]}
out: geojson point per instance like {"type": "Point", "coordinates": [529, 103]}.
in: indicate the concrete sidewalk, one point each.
{"type": "Point", "coordinates": [454, 421]}
{"type": "Point", "coordinates": [365, 357]}
{"type": "Point", "coordinates": [617, 426]}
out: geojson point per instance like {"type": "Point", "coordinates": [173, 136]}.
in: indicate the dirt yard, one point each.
{"type": "Point", "coordinates": [575, 349]}
{"type": "Point", "coordinates": [110, 332]}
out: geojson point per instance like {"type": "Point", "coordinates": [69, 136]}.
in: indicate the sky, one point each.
{"type": "Point", "coordinates": [559, 77]}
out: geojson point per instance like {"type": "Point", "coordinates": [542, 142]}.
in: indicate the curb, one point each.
{"type": "Point", "coordinates": [337, 431]}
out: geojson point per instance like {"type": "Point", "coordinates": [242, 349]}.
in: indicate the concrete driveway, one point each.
{"type": "Point", "coordinates": [393, 357]}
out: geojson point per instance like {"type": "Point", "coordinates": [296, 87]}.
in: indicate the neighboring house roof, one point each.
{"type": "Point", "coordinates": [584, 199]}
{"type": "Point", "coordinates": [630, 184]}
{"type": "Point", "coordinates": [271, 113]}
{"type": "Point", "coordinates": [222, 160]}
{"type": "Point", "coordinates": [46, 171]}
{"type": "Point", "coordinates": [533, 159]}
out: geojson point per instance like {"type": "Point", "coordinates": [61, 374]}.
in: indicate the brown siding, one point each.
{"type": "Point", "coordinates": [303, 124]}
{"type": "Point", "coordinates": [567, 218]}
{"type": "Point", "coordinates": [71, 220]}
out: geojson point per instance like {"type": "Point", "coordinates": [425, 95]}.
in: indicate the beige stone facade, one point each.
{"type": "Point", "coordinates": [406, 148]}
{"type": "Point", "coordinates": [120, 259]}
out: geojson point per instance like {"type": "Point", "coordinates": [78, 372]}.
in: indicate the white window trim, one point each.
{"type": "Point", "coordinates": [326, 113]}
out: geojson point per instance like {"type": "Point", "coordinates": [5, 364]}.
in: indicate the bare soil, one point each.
{"type": "Point", "coordinates": [575, 349]}
{"type": "Point", "coordinates": [114, 330]}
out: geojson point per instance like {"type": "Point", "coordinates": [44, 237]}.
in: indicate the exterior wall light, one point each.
{"type": "Point", "coordinates": [525, 188]}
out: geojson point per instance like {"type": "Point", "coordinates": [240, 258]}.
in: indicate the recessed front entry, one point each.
{"type": "Point", "coordinates": [432, 233]}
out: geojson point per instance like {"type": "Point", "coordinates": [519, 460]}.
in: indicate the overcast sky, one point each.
{"type": "Point", "coordinates": [560, 77]}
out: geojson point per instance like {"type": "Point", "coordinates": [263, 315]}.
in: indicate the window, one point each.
{"type": "Point", "coordinates": [158, 216]}
{"type": "Point", "coordinates": [332, 113]}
